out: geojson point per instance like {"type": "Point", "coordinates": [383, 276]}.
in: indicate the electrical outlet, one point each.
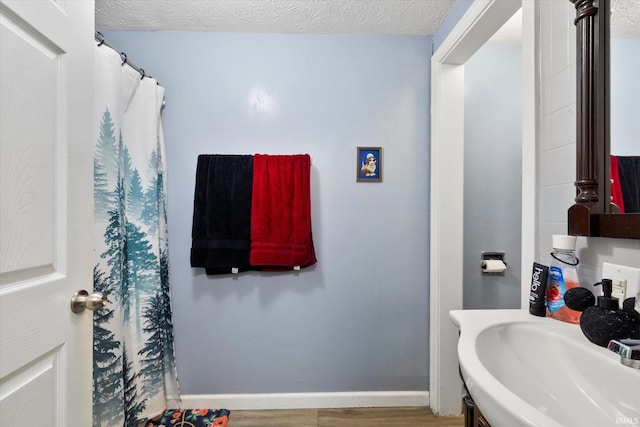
{"type": "Point", "coordinates": [621, 274]}
{"type": "Point", "coordinates": [619, 289]}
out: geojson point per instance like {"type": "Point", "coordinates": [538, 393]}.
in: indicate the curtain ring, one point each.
{"type": "Point", "coordinates": [142, 74]}
{"type": "Point", "coordinates": [123, 56]}
{"type": "Point", "coordinates": [100, 38]}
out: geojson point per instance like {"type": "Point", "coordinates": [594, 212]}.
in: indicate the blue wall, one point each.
{"type": "Point", "coordinates": [358, 320]}
{"type": "Point", "coordinates": [493, 173]}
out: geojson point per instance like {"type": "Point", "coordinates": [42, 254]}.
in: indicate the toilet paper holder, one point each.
{"type": "Point", "coordinates": [493, 268]}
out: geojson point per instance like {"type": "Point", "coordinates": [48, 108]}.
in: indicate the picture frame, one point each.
{"type": "Point", "coordinates": [369, 164]}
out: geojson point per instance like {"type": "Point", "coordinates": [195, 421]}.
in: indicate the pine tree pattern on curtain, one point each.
{"type": "Point", "coordinates": [134, 373]}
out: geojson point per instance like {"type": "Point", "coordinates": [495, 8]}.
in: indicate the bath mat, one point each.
{"type": "Point", "coordinates": [192, 418]}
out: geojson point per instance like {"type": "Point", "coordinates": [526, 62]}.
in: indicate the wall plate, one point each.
{"type": "Point", "coordinates": [621, 272]}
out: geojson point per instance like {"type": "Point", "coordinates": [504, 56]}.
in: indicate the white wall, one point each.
{"type": "Point", "coordinates": [358, 320]}
{"type": "Point", "coordinates": [557, 146]}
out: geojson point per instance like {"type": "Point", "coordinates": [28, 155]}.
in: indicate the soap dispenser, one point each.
{"type": "Point", "coordinates": [604, 321]}
{"type": "Point", "coordinates": [606, 301]}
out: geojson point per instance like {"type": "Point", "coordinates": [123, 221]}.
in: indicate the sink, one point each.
{"type": "Point", "coordinates": [523, 370]}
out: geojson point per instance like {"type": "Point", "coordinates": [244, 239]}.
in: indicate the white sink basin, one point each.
{"type": "Point", "coordinates": [523, 370]}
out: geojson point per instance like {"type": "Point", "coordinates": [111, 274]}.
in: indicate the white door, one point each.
{"type": "Point", "coordinates": [46, 181]}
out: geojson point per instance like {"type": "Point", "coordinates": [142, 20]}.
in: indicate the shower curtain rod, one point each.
{"type": "Point", "coordinates": [102, 41]}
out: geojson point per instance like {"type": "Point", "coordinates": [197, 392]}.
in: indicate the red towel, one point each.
{"type": "Point", "coordinates": [616, 188]}
{"type": "Point", "coordinates": [281, 212]}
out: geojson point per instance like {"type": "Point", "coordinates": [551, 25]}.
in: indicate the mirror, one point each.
{"type": "Point", "coordinates": [593, 214]}
{"type": "Point", "coordinates": [624, 43]}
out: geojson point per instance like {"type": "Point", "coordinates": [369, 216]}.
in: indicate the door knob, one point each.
{"type": "Point", "coordinates": [83, 299]}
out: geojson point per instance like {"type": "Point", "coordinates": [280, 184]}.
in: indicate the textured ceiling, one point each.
{"type": "Point", "coordinates": [421, 17]}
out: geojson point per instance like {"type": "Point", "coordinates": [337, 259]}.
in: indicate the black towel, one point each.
{"type": "Point", "coordinates": [221, 233]}
{"type": "Point", "coordinates": [629, 172]}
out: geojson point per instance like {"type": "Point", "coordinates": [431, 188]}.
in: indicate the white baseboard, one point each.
{"type": "Point", "coordinates": [306, 400]}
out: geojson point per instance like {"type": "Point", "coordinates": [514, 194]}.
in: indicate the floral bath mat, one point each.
{"type": "Point", "coordinates": [192, 418]}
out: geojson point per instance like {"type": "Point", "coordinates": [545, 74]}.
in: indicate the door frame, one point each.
{"type": "Point", "coordinates": [477, 25]}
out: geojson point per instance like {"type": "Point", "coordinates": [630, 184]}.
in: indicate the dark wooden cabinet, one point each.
{"type": "Point", "coordinates": [472, 415]}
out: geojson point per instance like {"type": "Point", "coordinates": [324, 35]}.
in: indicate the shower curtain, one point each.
{"type": "Point", "coordinates": [134, 375]}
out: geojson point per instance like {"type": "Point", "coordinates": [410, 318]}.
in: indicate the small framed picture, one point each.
{"type": "Point", "coordinates": [369, 167]}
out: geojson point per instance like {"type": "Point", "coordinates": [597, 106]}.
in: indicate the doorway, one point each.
{"type": "Point", "coordinates": [492, 168]}
{"type": "Point", "coordinates": [479, 23]}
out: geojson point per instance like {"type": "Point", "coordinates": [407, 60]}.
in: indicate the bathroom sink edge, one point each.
{"type": "Point", "coordinates": [500, 406]}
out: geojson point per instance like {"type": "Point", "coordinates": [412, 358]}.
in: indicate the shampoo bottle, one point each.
{"type": "Point", "coordinates": [562, 277]}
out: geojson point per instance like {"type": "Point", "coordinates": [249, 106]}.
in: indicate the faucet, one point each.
{"type": "Point", "coordinates": [629, 351]}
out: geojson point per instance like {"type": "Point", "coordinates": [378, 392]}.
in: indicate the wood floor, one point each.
{"type": "Point", "coordinates": [344, 417]}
